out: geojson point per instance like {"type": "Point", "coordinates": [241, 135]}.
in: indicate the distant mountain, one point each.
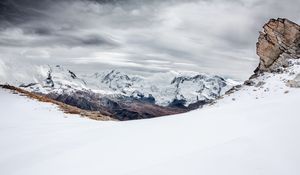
{"type": "Point", "coordinates": [125, 96]}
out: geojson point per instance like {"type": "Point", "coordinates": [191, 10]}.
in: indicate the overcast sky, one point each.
{"type": "Point", "coordinates": [139, 36]}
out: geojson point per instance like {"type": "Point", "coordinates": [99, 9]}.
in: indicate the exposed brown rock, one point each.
{"type": "Point", "coordinates": [278, 42]}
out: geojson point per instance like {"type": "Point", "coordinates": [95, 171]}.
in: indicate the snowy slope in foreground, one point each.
{"type": "Point", "coordinates": [252, 131]}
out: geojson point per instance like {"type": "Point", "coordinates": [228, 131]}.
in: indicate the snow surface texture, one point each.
{"type": "Point", "coordinates": [252, 131]}
{"type": "Point", "coordinates": [164, 87]}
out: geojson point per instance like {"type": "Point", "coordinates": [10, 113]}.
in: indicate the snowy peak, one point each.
{"type": "Point", "coordinates": [111, 81]}
{"type": "Point", "coordinates": [115, 75]}
{"type": "Point", "coordinates": [49, 81]}
{"type": "Point", "coordinates": [56, 79]}
{"type": "Point", "coordinates": [201, 87]}
{"type": "Point", "coordinates": [117, 81]}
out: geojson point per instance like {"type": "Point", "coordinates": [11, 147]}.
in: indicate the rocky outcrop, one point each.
{"type": "Point", "coordinates": [278, 42]}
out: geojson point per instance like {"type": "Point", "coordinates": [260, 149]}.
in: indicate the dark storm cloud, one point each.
{"type": "Point", "coordinates": [15, 12]}
{"type": "Point", "coordinates": [35, 19]}
{"type": "Point", "coordinates": [20, 11]}
{"type": "Point", "coordinates": [39, 30]}
{"type": "Point", "coordinates": [57, 40]}
{"type": "Point", "coordinates": [216, 36]}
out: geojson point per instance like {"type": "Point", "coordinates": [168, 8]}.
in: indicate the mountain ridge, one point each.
{"type": "Point", "coordinates": [127, 97]}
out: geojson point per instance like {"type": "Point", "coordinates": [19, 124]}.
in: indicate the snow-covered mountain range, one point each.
{"type": "Point", "coordinates": [163, 89]}
{"type": "Point", "coordinates": [125, 96]}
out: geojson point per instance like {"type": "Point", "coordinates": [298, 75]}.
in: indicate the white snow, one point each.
{"type": "Point", "coordinates": [250, 132]}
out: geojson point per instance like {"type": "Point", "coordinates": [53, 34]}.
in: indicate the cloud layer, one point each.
{"type": "Point", "coordinates": [139, 36]}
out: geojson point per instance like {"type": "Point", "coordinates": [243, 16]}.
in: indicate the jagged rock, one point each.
{"type": "Point", "coordinates": [295, 83]}
{"type": "Point", "coordinates": [73, 75]}
{"type": "Point", "coordinates": [249, 83]}
{"type": "Point", "coordinates": [49, 81]}
{"type": "Point", "coordinates": [27, 85]}
{"type": "Point", "coordinates": [234, 89]}
{"type": "Point", "coordinates": [116, 80]}
{"type": "Point", "coordinates": [278, 42]}
{"type": "Point", "coordinates": [260, 84]}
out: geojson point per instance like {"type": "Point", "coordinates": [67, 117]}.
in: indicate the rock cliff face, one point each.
{"type": "Point", "coordinates": [278, 42]}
